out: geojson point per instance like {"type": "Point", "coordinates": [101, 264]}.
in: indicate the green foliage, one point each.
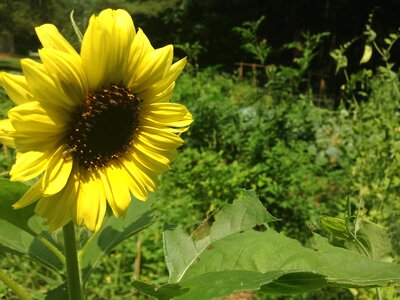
{"type": "Point", "coordinates": [23, 233]}
{"type": "Point", "coordinates": [248, 33]}
{"type": "Point", "coordinates": [113, 232]}
{"type": "Point", "coordinates": [229, 260]}
{"type": "Point", "coordinates": [339, 56]}
{"type": "Point", "coordinates": [192, 51]}
{"type": "Point", "coordinates": [21, 230]}
{"type": "Point", "coordinates": [28, 14]}
{"type": "Point", "coordinates": [5, 103]}
{"type": "Point", "coordinates": [307, 48]}
{"type": "Point", "coordinates": [302, 159]}
{"type": "Point", "coordinates": [377, 140]}
{"type": "Point", "coordinates": [285, 80]}
{"type": "Point", "coordinates": [290, 152]}
{"type": "Point", "coordinates": [9, 63]}
{"type": "Point", "coordinates": [293, 79]}
{"type": "Point", "coordinates": [375, 135]}
{"type": "Point", "coordinates": [152, 8]}
{"type": "Point", "coordinates": [363, 237]}
{"type": "Point", "coordinates": [6, 154]}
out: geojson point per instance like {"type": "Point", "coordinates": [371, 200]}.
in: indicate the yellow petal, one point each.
{"type": "Point", "coordinates": [32, 195]}
{"type": "Point", "coordinates": [143, 180]}
{"type": "Point", "coordinates": [105, 48]}
{"type": "Point", "coordinates": [29, 141]}
{"type": "Point", "coordinates": [51, 38]}
{"type": "Point", "coordinates": [165, 114]}
{"type": "Point", "coordinates": [57, 172]}
{"type": "Point", "coordinates": [66, 71]}
{"type": "Point", "coordinates": [140, 47]}
{"type": "Point", "coordinates": [33, 117]}
{"type": "Point", "coordinates": [150, 152]}
{"type": "Point", "coordinates": [136, 187]}
{"type": "Point", "coordinates": [164, 96]}
{"type": "Point", "coordinates": [43, 87]}
{"type": "Point", "coordinates": [151, 69]}
{"type": "Point", "coordinates": [165, 82]}
{"type": "Point", "coordinates": [28, 165]}
{"type": "Point", "coordinates": [16, 87]}
{"type": "Point", "coordinates": [150, 163]}
{"type": "Point", "coordinates": [91, 204]}
{"type": "Point", "coordinates": [160, 138]}
{"type": "Point", "coordinates": [56, 209]}
{"type": "Point", "coordinates": [117, 192]}
{"type": "Point", "coordinates": [141, 172]}
{"type": "Point", "coordinates": [6, 131]}
{"type": "Point", "coordinates": [169, 153]}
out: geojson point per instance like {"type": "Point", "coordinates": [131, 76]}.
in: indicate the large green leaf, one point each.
{"type": "Point", "coordinates": [113, 232]}
{"type": "Point", "coordinates": [215, 285]}
{"type": "Point", "coordinates": [245, 259]}
{"type": "Point", "coordinates": [271, 251]}
{"type": "Point", "coordinates": [209, 285]}
{"type": "Point", "coordinates": [22, 232]}
{"type": "Point", "coordinates": [181, 250]}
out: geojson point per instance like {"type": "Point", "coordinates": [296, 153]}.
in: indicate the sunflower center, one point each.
{"type": "Point", "coordinates": [103, 127]}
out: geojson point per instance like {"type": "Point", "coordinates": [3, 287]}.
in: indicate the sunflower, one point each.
{"type": "Point", "coordinates": [97, 126]}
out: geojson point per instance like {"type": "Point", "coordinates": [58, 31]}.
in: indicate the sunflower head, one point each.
{"type": "Point", "coordinates": [96, 126]}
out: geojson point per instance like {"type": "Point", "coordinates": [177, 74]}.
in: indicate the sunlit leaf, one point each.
{"type": "Point", "coordinates": [181, 250]}
{"type": "Point", "coordinates": [246, 259]}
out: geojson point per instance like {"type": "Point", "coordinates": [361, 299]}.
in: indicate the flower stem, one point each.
{"type": "Point", "coordinates": [74, 281]}
{"type": "Point", "coordinates": [18, 290]}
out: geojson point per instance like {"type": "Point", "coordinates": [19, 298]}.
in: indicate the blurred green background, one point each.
{"type": "Point", "coordinates": [282, 105]}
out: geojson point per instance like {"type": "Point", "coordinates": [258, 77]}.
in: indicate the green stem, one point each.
{"type": "Point", "coordinates": [74, 280]}
{"type": "Point", "coordinates": [346, 75]}
{"type": "Point", "coordinates": [52, 248]}
{"type": "Point", "coordinates": [378, 293]}
{"type": "Point", "coordinates": [378, 49]}
{"type": "Point", "coordinates": [18, 290]}
{"type": "Point", "coordinates": [354, 236]}
{"type": "Point", "coordinates": [2, 174]}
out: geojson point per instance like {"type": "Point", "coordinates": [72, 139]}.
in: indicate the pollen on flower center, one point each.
{"type": "Point", "coordinates": [103, 126]}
